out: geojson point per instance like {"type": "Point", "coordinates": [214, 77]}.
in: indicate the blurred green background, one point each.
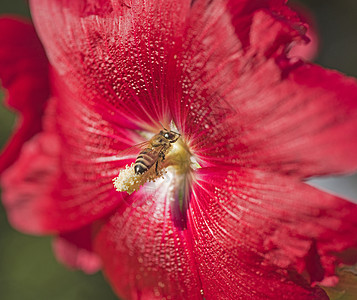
{"type": "Point", "coordinates": [28, 269]}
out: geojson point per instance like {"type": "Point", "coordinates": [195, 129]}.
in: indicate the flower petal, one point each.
{"type": "Point", "coordinates": [74, 249]}
{"type": "Point", "coordinates": [303, 124]}
{"type": "Point", "coordinates": [223, 253]}
{"type": "Point", "coordinates": [27, 184]}
{"type": "Point", "coordinates": [257, 227]}
{"type": "Point", "coordinates": [285, 121]}
{"type": "Point", "coordinates": [24, 73]}
{"type": "Point", "coordinates": [145, 256]}
{"type": "Point", "coordinates": [115, 60]}
{"type": "Point", "coordinates": [290, 120]}
{"type": "Point", "coordinates": [161, 74]}
{"type": "Point", "coordinates": [57, 184]}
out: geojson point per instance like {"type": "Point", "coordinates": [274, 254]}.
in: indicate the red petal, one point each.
{"type": "Point", "coordinates": [110, 59]}
{"type": "Point", "coordinates": [257, 220]}
{"type": "Point", "coordinates": [74, 249]}
{"type": "Point", "coordinates": [24, 73]}
{"type": "Point", "coordinates": [57, 184]}
{"type": "Point", "coordinates": [303, 124]}
{"type": "Point", "coordinates": [97, 60]}
{"type": "Point", "coordinates": [244, 240]}
{"type": "Point", "coordinates": [299, 119]}
{"type": "Point", "coordinates": [144, 255]}
{"type": "Point", "coordinates": [28, 183]}
{"type": "Point", "coordinates": [249, 109]}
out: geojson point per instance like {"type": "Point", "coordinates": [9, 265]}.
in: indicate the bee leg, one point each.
{"type": "Point", "coordinates": [162, 156]}
{"type": "Point", "coordinates": [156, 165]}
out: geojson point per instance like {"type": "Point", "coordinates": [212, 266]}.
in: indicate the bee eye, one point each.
{"type": "Point", "coordinates": [166, 135]}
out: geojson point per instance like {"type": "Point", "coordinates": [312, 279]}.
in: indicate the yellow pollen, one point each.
{"type": "Point", "coordinates": [179, 157]}
{"type": "Point", "coordinates": [128, 181]}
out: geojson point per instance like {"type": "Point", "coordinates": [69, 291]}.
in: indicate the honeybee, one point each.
{"type": "Point", "coordinates": [155, 151]}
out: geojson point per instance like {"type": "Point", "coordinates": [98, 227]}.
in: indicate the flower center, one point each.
{"type": "Point", "coordinates": [161, 156]}
{"type": "Point", "coordinates": [180, 158]}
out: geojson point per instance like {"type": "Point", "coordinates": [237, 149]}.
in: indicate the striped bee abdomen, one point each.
{"type": "Point", "coordinates": [145, 160]}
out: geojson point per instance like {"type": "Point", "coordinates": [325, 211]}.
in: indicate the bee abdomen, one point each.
{"type": "Point", "coordinates": [145, 161]}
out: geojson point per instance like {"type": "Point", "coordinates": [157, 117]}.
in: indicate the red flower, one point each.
{"type": "Point", "coordinates": [232, 218]}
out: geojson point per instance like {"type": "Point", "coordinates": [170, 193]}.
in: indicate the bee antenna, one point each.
{"type": "Point", "coordinates": [163, 126]}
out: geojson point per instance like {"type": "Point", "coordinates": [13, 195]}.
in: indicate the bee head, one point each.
{"type": "Point", "coordinates": [172, 136]}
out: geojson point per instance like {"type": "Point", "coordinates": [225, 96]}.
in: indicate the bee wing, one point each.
{"type": "Point", "coordinates": [133, 151]}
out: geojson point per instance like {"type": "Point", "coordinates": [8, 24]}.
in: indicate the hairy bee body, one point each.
{"type": "Point", "coordinates": [145, 160]}
{"type": "Point", "coordinates": [158, 146]}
